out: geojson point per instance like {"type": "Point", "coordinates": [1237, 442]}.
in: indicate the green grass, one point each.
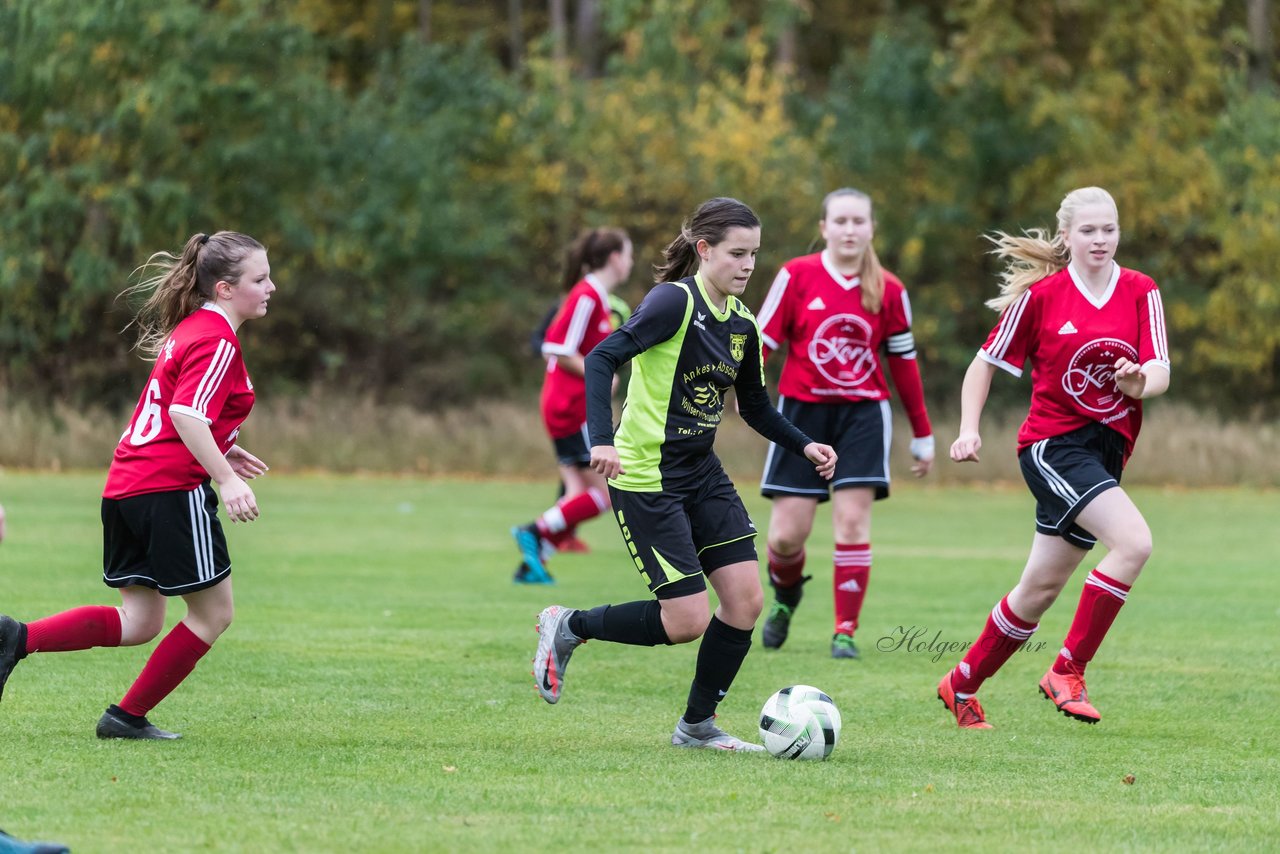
{"type": "Point", "coordinates": [373, 693]}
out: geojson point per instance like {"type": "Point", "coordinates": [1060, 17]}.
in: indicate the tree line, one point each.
{"type": "Point", "coordinates": [417, 167]}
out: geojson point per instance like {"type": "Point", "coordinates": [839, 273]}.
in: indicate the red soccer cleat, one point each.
{"type": "Point", "coordinates": [969, 714]}
{"type": "Point", "coordinates": [1067, 692]}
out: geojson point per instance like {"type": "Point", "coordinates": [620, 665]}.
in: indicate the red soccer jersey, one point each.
{"type": "Point", "coordinates": [833, 342]}
{"type": "Point", "coordinates": [1072, 341]}
{"type": "Point", "coordinates": [582, 322]}
{"type": "Point", "coordinates": [200, 373]}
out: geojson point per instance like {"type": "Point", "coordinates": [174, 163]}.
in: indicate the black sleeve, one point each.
{"type": "Point", "coordinates": [656, 319]}
{"type": "Point", "coordinates": [602, 363]}
{"type": "Point", "coordinates": [659, 315]}
{"type": "Point", "coordinates": [757, 410]}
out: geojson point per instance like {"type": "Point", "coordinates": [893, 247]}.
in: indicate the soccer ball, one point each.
{"type": "Point", "coordinates": [800, 722]}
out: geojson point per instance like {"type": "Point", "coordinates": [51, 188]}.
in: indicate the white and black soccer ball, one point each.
{"type": "Point", "coordinates": [800, 722]}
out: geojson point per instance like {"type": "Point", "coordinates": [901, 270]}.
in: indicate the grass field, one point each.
{"type": "Point", "coordinates": [374, 692]}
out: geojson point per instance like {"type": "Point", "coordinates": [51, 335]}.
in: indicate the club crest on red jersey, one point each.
{"type": "Point", "coordinates": [841, 350]}
{"type": "Point", "coordinates": [1090, 376]}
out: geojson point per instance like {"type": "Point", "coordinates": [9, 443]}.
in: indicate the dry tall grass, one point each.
{"type": "Point", "coordinates": [1179, 446]}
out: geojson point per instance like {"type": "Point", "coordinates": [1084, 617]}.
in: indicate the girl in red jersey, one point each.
{"type": "Point", "coordinates": [161, 534]}
{"type": "Point", "coordinates": [835, 311]}
{"type": "Point", "coordinates": [597, 263]}
{"type": "Point", "coordinates": [1094, 333]}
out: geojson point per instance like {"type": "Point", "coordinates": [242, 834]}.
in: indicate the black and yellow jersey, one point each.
{"type": "Point", "coordinates": [687, 355]}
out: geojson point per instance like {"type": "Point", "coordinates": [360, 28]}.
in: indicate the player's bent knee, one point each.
{"type": "Point", "coordinates": [1142, 548]}
{"type": "Point", "coordinates": [751, 605]}
{"type": "Point", "coordinates": [786, 547]}
{"type": "Point", "coordinates": [684, 628]}
{"type": "Point", "coordinates": [135, 634]}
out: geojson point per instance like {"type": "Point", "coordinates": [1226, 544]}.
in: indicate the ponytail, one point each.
{"type": "Point", "coordinates": [872, 284]}
{"type": "Point", "coordinates": [590, 252]}
{"type": "Point", "coordinates": [1037, 254]}
{"type": "Point", "coordinates": [710, 222]}
{"type": "Point", "coordinates": [1029, 258]}
{"type": "Point", "coordinates": [679, 258]}
{"type": "Point", "coordinates": [181, 284]}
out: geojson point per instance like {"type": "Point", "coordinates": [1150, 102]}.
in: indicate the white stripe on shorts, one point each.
{"type": "Point", "coordinates": [887, 415]}
{"type": "Point", "coordinates": [1056, 482]}
{"type": "Point", "coordinates": [201, 534]}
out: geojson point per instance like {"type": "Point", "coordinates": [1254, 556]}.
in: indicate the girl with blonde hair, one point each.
{"type": "Point", "coordinates": [1094, 333]}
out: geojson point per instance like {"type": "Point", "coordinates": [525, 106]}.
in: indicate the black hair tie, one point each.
{"type": "Point", "coordinates": [204, 238]}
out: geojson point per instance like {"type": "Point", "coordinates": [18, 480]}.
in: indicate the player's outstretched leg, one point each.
{"type": "Point", "coordinates": [707, 734]}
{"type": "Point", "coordinates": [556, 644]}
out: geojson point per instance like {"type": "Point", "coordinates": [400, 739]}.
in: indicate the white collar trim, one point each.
{"type": "Point", "coordinates": [847, 283]}
{"type": "Point", "coordinates": [599, 287]}
{"type": "Point", "coordinates": [210, 306]}
{"type": "Point", "coordinates": [1096, 302]}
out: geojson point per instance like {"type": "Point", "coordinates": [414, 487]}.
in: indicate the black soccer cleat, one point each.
{"type": "Point", "coordinates": [116, 723]}
{"type": "Point", "coordinates": [13, 647]}
{"type": "Point", "coordinates": [778, 624]}
{"type": "Point", "coordinates": [842, 646]}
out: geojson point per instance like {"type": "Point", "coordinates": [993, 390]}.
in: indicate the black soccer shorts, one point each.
{"type": "Point", "coordinates": [677, 537]}
{"type": "Point", "coordinates": [860, 432]}
{"type": "Point", "coordinates": [1066, 472]}
{"type": "Point", "coordinates": [169, 541]}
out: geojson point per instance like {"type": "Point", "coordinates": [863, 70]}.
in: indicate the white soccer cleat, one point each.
{"type": "Point", "coordinates": [556, 644]}
{"type": "Point", "coordinates": [707, 734]}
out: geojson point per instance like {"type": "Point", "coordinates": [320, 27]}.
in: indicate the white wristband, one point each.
{"type": "Point", "coordinates": [922, 448]}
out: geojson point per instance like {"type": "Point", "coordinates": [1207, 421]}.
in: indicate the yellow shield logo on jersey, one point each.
{"type": "Point", "coordinates": [737, 346]}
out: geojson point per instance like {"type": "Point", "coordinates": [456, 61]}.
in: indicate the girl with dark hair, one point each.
{"type": "Point", "coordinates": [1094, 335]}
{"type": "Point", "coordinates": [161, 534]}
{"type": "Point", "coordinates": [843, 319]}
{"type": "Point", "coordinates": [690, 341]}
{"type": "Point", "coordinates": [598, 262]}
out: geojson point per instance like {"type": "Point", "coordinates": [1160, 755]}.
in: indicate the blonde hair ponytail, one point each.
{"type": "Point", "coordinates": [872, 275]}
{"type": "Point", "coordinates": [1029, 258]}
{"type": "Point", "coordinates": [1038, 254]}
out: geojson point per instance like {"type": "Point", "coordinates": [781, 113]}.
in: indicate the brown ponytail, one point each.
{"type": "Point", "coordinates": [590, 252]}
{"type": "Point", "coordinates": [710, 222]}
{"type": "Point", "coordinates": [183, 283]}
